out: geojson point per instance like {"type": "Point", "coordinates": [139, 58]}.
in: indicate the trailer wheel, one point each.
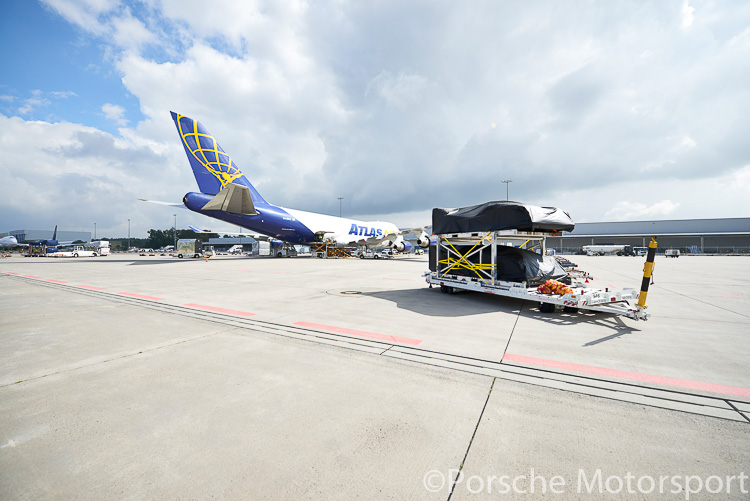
{"type": "Point", "coordinates": [546, 307]}
{"type": "Point", "coordinates": [570, 309]}
{"type": "Point", "coordinates": [178, 255]}
{"type": "Point", "coordinates": [361, 256]}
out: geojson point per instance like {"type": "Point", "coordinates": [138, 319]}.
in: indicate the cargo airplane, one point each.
{"type": "Point", "coordinates": [8, 242]}
{"type": "Point", "coordinates": [227, 195]}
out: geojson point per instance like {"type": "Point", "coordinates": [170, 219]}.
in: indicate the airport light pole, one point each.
{"type": "Point", "coordinates": [340, 199]}
{"type": "Point", "coordinates": [94, 231]}
{"type": "Point", "coordinates": [175, 231]}
{"type": "Point", "coordinates": [507, 182]}
{"type": "Point", "coordinates": [128, 234]}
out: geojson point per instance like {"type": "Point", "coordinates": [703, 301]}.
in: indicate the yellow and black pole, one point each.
{"type": "Point", "coordinates": [648, 270]}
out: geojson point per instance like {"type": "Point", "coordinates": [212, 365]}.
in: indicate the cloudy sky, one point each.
{"type": "Point", "coordinates": [611, 110]}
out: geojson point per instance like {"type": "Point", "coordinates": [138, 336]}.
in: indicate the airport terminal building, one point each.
{"type": "Point", "coordinates": [690, 236]}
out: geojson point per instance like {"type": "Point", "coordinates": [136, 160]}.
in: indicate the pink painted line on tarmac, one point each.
{"type": "Point", "coordinates": [219, 310]}
{"type": "Point", "coordinates": [29, 276]}
{"type": "Point", "coordinates": [91, 287]}
{"type": "Point", "coordinates": [631, 376]}
{"type": "Point", "coordinates": [140, 296]}
{"type": "Point", "coordinates": [11, 273]}
{"type": "Point", "coordinates": [353, 332]}
{"type": "Point", "coordinates": [56, 281]}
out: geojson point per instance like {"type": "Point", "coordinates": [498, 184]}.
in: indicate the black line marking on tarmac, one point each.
{"type": "Point", "coordinates": [739, 411]}
{"type": "Point", "coordinates": [512, 330]}
{"type": "Point", "coordinates": [468, 448]}
{"type": "Point", "coordinates": [691, 297]}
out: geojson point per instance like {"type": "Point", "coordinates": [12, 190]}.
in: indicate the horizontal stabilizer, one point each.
{"type": "Point", "coordinates": [233, 198]}
{"type": "Point", "coordinates": [170, 204]}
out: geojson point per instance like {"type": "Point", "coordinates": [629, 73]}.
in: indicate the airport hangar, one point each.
{"type": "Point", "coordinates": [62, 235]}
{"type": "Point", "coordinates": [690, 236]}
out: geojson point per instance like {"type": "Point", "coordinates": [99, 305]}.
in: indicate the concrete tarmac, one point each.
{"type": "Point", "coordinates": [259, 378]}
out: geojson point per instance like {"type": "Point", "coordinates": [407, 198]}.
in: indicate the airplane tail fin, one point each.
{"type": "Point", "coordinates": [212, 167]}
{"type": "Point", "coordinates": [54, 235]}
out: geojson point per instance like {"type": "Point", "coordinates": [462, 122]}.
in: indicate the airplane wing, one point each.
{"type": "Point", "coordinates": [170, 204]}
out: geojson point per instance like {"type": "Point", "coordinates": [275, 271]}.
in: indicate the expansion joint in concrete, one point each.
{"type": "Point", "coordinates": [468, 448]}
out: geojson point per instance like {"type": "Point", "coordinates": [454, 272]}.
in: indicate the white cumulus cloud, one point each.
{"type": "Point", "coordinates": [633, 211]}
{"type": "Point", "coordinates": [114, 113]}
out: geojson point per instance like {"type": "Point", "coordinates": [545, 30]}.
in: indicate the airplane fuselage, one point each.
{"type": "Point", "coordinates": [8, 242]}
{"type": "Point", "coordinates": [296, 226]}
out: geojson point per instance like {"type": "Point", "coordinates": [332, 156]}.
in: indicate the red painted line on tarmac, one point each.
{"type": "Point", "coordinates": [338, 276]}
{"type": "Point", "coordinates": [90, 287]}
{"type": "Point", "coordinates": [632, 376]}
{"type": "Point", "coordinates": [140, 296]}
{"type": "Point", "coordinates": [219, 310]}
{"type": "Point", "coordinates": [56, 281]}
{"type": "Point", "coordinates": [29, 276]}
{"type": "Point", "coordinates": [352, 332]}
{"type": "Point", "coordinates": [11, 273]}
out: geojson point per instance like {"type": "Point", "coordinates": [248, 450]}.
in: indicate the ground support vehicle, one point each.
{"type": "Point", "coordinates": [369, 254]}
{"type": "Point", "coordinates": [331, 250]}
{"type": "Point", "coordinates": [573, 271]}
{"type": "Point", "coordinates": [604, 249]}
{"type": "Point", "coordinates": [190, 248]}
{"type": "Point", "coordinates": [77, 251]}
{"type": "Point", "coordinates": [469, 261]}
{"type": "Point", "coordinates": [101, 247]}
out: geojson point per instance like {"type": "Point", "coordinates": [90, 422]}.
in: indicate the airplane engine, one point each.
{"type": "Point", "coordinates": [403, 246]}
{"type": "Point", "coordinates": [424, 240]}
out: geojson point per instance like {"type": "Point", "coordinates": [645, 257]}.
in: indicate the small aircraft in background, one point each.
{"type": "Point", "coordinates": [227, 195]}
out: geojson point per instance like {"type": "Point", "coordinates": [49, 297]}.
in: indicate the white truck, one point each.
{"type": "Point", "coordinates": [190, 247]}
{"type": "Point", "coordinates": [276, 248]}
{"type": "Point", "coordinates": [601, 250]}
{"type": "Point", "coordinates": [77, 251]}
{"type": "Point", "coordinates": [100, 247]}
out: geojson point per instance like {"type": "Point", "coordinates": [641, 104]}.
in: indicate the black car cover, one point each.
{"type": "Point", "coordinates": [496, 216]}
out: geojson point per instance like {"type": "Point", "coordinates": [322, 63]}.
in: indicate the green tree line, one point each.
{"type": "Point", "coordinates": [158, 239]}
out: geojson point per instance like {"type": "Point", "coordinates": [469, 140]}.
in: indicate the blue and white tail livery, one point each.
{"type": "Point", "coordinates": [227, 195]}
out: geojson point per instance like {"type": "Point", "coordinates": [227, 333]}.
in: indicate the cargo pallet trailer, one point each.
{"type": "Point", "coordinates": [468, 261]}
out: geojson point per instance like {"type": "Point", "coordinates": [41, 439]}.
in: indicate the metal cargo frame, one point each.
{"type": "Point", "coordinates": [448, 258]}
